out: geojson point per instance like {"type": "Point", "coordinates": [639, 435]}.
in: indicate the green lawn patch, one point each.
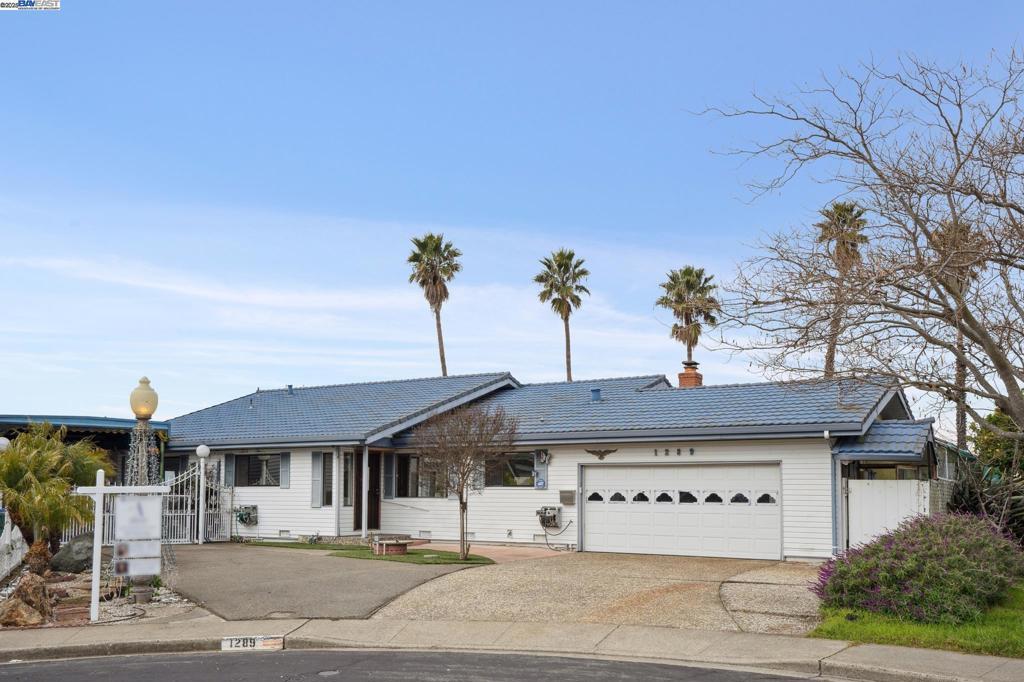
{"type": "Point", "coordinates": [415, 556]}
{"type": "Point", "coordinates": [998, 632]}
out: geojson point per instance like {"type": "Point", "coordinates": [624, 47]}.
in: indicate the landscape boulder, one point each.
{"type": "Point", "coordinates": [74, 556]}
{"type": "Point", "coordinates": [32, 592]}
{"type": "Point", "coordinates": [16, 613]}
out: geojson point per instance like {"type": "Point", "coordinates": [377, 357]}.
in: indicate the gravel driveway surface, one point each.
{"type": "Point", "coordinates": [684, 592]}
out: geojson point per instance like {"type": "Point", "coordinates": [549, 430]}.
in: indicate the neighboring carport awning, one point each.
{"type": "Point", "coordinates": [76, 424]}
{"type": "Point", "coordinates": [888, 441]}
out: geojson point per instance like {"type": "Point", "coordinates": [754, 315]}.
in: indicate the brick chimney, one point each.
{"type": "Point", "coordinates": [690, 377]}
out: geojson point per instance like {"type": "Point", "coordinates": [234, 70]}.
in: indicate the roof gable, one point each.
{"type": "Point", "coordinates": [707, 407]}
{"type": "Point", "coordinates": [646, 408]}
{"type": "Point", "coordinates": [336, 413]}
{"type": "Point", "coordinates": [895, 440]}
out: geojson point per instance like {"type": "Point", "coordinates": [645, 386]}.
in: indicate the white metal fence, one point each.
{"type": "Point", "coordinates": [180, 512]}
{"type": "Point", "coordinates": [76, 528]}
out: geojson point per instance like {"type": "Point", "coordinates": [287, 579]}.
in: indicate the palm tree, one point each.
{"type": "Point", "coordinates": [690, 295]}
{"type": "Point", "coordinates": [841, 231]}
{"type": "Point", "coordinates": [955, 243]}
{"type": "Point", "coordinates": [561, 283]}
{"type": "Point", "coordinates": [37, 473]}
{"type": "Point", "coordinates": [434, 263]}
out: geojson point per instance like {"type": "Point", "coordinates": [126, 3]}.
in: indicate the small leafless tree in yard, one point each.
{"type": "Point", "coordinates": [936, 298]}
{"type": "Point", "coordinates": [456, 446]}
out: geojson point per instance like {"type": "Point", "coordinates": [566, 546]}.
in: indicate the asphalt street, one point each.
{"type": "Point", "coordinates": [343, 666]}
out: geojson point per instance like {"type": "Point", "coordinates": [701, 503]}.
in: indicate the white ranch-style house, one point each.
{"type": "Point", "coordinates": [764, 470]}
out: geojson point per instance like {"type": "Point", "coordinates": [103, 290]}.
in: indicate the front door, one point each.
{"type": "Point", "coordinates": [373, 498]}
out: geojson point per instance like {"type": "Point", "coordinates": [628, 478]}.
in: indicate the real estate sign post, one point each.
{"type": "Point", "coordinates": [138, 512]}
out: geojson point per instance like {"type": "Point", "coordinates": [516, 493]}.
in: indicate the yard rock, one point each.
{"type": "Point", "coordinates": [16, 613]}
{"type": "Point", "coordinates": [74, 556]}
{"type": "Point", "coordinates": [32, 591]}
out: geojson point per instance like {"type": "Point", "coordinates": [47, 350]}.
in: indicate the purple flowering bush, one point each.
{"type": "Point", "coordinates": [940, 569]}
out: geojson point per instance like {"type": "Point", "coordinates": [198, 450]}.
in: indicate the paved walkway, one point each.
{"type": "Point", "coordinates": [241, 582]}
{"type": "Point", "coordinates": [623, 589]}
{"type": "Point", "coordinates": [796, 655]}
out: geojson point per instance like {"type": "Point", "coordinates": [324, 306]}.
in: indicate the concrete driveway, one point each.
{"type": "Point", "coordinates": [683, 592]}
{"type": "Point", "coordinates": [241, 582]}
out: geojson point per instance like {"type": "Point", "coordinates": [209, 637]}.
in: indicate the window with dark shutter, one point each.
{"type": "Point", "coordinates": [328, 479]}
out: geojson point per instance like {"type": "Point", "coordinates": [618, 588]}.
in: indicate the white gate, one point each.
{"type": "Point", "coordinates": [219, 501]}
{"type": "Point", "coordinates": [875, 507]}
{"type": "Point", "coordinates": [180, 512]}
{"type": "Point", "coordinates": [181, 509]}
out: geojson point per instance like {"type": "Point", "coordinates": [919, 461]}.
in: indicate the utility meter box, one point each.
{"type": "Point", "coordinates": [247, 515]}
{"type": "Point", "coordinates": [550, 517]}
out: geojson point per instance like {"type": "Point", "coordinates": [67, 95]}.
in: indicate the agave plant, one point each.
{"type": "Point", "coordinates": [37, 474]}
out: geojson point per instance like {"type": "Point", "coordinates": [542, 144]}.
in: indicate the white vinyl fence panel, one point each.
{"type": "Point", "coordinates": [876, 507]}
{"type": "Point", "coordinates": [12, 549]}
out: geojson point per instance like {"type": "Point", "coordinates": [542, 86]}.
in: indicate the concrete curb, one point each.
{"type": "Point", "coordinates": [870, 673]}
{"type": "Point", "coordinates": [111, 649]}
{"type": "Point", "coordinates": [696, 648]}
{"type": "Point", "coordinates": [797, 667]}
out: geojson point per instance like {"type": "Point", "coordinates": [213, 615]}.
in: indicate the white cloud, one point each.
{"type": "Point", "coordinates": [336, 307]}
{"type": "Point", "coordinates": [152, 277]}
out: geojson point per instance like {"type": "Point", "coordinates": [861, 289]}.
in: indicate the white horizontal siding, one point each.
{"type": "Point", "coordinates": [509, 514]}
{"type": "Point", "coordinates": [288, 509]}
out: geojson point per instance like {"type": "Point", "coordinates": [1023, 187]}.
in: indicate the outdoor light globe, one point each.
{"type": "Point", "coordinates": [4, 444]}
{"type": "Point", "coordinates": [203, 451]}
{"type": "Point", "coordinates": [143, 400]}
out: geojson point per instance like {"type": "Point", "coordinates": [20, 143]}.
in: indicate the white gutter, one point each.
{"type": "Point", "coordinates": [264, 445]}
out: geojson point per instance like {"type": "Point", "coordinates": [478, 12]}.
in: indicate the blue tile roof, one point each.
{"type": "Point", "coordinates": [564, 410]}
{"type": "Point", "coordinates": [894, 439]}
{"type": "Point", "coordinates": [341, 412]}
{"type": "Point", "coordinates": [630, 407]}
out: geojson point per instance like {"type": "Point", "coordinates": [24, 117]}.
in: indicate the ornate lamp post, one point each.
{"type": "Point", "coordinates": [143, 464]}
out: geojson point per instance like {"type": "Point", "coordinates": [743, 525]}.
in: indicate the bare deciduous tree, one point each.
{"type": "Point", "coordinates": [920, 147]}
{"type": "Point", "coordinates": [456, 446]}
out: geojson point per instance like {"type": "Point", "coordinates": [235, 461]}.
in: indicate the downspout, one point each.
{"type": "Point", "coordinates": [336, 492]}
{"type": "Point", "coordinates": [365, 502]}
{"type": "Point", "coordinates": [837, 491]}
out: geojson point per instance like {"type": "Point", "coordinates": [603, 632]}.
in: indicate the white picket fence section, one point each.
{"type": "Point", "coordinates": [180, 513]}
{"type": "Point", "coordinates": [876, 507]}
{"type": "Point", "coordinates": [12, 549]}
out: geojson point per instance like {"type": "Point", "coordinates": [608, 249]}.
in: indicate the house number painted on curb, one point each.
{"type": "Point", "coordinates": [254, 643]}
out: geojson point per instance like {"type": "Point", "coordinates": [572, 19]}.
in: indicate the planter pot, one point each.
{"type": "Point", "coordinates": [143, 595]}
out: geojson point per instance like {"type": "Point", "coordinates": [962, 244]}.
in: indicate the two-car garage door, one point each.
{"type": "Point", "coordinates": [717, 510]}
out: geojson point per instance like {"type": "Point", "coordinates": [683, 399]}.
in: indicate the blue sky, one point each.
{"type": "Point", "coordinates": [220, 195]}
